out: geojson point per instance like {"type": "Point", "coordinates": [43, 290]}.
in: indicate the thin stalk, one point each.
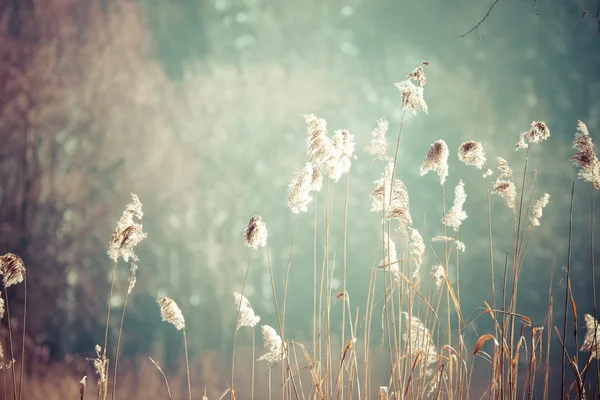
{"type": "Point", "coordinates": [344, 263]}
{"type": "Point", "coordinates": [10, 342]}
{"type": "Point", "coordinates": [22, 377]}
{"type": "Point", "coordinates": [187, 365]}
{"type": "Point", "coordinates": [164, 376]}
{"type": "Point", "coordinates": [114, 391]}
{"type": "Point", "coordinates": [253, 360]}
{"type": "Point", "coordinates": [567, 291]}
{"type": "Point", "coordinates": [110, 295]}
{"type": "Point", "coordinates": [315, 281]}
{"type": "Point", "coordinates": [237, 321]}
{"type": "Point", "coordinates": [287, 275]}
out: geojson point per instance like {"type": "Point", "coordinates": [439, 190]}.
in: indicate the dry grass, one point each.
{"type": "Point", "coordinates": [408, 341]}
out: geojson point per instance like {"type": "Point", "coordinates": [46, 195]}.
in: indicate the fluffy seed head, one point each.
{"type": "Point", "coordinates": [460, 246]}
{"type": "Point", "coordinates": [585, 158]}
{"type": "Point", "coordinates": [505, 171]}
{"type": "Point", "coordinates": [170, 312]}
{"type": "Point", "coordinates": [1, 308]}
{"type": "Point", "coordinates": [416, 250]}
{"type": "Point", "coordinates": [438, 274]}
{"type": "Point", "coordinates": [418, 74]}
{"type": "Point", "coordinates": [132, 277]}
{"type": "Point", "coordinates": [436, 160]}
{"type": "Point", "coordinates": [472, 153]}
{"type": "Point", "coordinates": [127, 234]}
{"type": "Point", "coordinates": [300, 187]}
{"type": "Point", "coordinates": [506, 189]}
{"type": "Point", "coordinates": [537, 210]}
{"type": "Point", "coordinates": [390, 258]}
{"type": "Point", "coordinates": [412, 96]}
{"type": "Point", "coordinates": [256, 233]}
{"type": "Point", "coordinates": [343, 145]}
{"type": "Point", "coordinates": [274, 344]}
{"type": "Point", "coordinates": [319, 145]}
{"type": "Point", "coordinates": [12, 269]}
{"type": "Point", "coordinates": [536, 134]}
{"type": "Point", "coordinates": [591, 341]}
{"type": "Point", "coordinates": [378, 145]}
{"type": "Point", "coordinates": [456, 215]}
{"type": "Point", "coordinates": [247, 316]}
{"type": "Point", "coordinates": [100, 364]}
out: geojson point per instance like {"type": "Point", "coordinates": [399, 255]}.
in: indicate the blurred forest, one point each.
{"type": "Point", "coordinates": [196, 105]}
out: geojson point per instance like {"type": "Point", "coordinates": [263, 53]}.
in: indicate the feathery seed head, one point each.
{"type": "Point", "coordinates": [303, 181]}
{"type": "Point", "coordinates": [506, 189]}
{"type": "Point", "coordinates": [100, 364]}
{"type": "Point", "coordinates": [132, 277]}
{"type": "Point", "coordinates": [1, 308]}
{"type": "Point", "coordinates": [319, 145]}
{"type": "Point", "coordinates": [438, 274]}
{"type": "Point", "coordinates": [505, 170]}
{"type": "Point", "coordinates": [378, 145]}
{"type": "Point", "coordinates": [12, 268]}
{"type": "Point", "coordinates": [436, 160]}
{"type": "Point", "coordinates": [418, 74]}
{"type": "Point", "coordinates": [416, 251]}
{"type": "Point", "coordinates": [343, 151]}
{"type": "Point", "coordinates": [274, 344]}
{"type": "Point", "coordinates": [456, 215]}
{"type": "Point", "coordinates": [412, 96]}
{"type": "Point", "coordinates": [585, 158]}
{"type": "Point", "coordinates": [127, 234]}
{"type": "Point", "coordinates": [591, 341]}
{"type": "Point", "coordinates": [170, 312]}
{"type": "Point", "coordinates": [537, 211]}
{"type": "Point", "coordinates": [256, 233]}
{"type": "Point", "coordinates": [247, 316]}
{"type": "Point", "coordinates": [472, 153]}
{"type": "Point", "coordinates": [537, 133]}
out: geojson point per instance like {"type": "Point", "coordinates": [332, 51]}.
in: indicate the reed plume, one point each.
{"type": "Point", "coordinates": [436, 160]}
{"type": "Point", "coordinates": [273, 344]}
{"type": "Point", "coordinates": [247, 316]}
{"type": "Point", "coordinates": [378, 146]}
{"type": "Point", "coordinates": [585, 158]}
{"type": "Point", "coordinates": [456, 215]}
{"type": "Point", "coordinates": [591, 341]}
{"type": "Point", "coordinates": [536, 134]}
{"type": "Point", "coordinates": [256, 233]}
{"type": "Point", "coordinates": [538, 211]}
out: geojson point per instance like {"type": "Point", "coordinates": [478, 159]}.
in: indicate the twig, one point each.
{"type": "Point", "coordinates": [481, 21]}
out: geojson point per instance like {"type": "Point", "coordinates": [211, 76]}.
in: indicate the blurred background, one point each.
{"type": "Point", "coordinates": [196, 106]}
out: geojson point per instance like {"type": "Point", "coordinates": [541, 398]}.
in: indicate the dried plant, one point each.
{"type": "Point", "coordinates": [82, 387]}
{"type": "Point", "coordinates": [393, 198]}
{"type": "Point", "coordinates": [506, 189]}
{"type": "Point", "coordinates": [12, 269]}
{"type": "Point", "coordinates": [460, 246]}
{"type": "Point", "coordinates": [304, 181]}
{"type": "Point", "coordinates": [378, 145]}
{"type": "Point", "coordinates": [436, 160]}
{"type": "Point", "coordinates": [390, 259]}
{"type": "Point", "coordinates": [585, 158]}
{"type": "Point", "coordinates": [412, 95]}
{"type": "Point", "coordinates": [247, 316]}
{"type": "Point", "coordinates": [100, 365]}
{"type": "Point", "coordinates": [273, 344]}
{"type": "Point", "coordinates": [536, 134]}
{"type": "Point", "coordinates": [472, 153]}
{"type": "Point", "coordinates": [505, 170]}
{"type": "Point", "coordinates": [127, 234]}
{"type": "Point", "coordinates": [319, 145]}
{"type": "Point", "coordinates": [416, 251]}
{"type": "Point", "coordinates": [344, 144]}
{"type": "Point", "coordinates": [538, 211]}
{"type": "Point", "coordinates": [591, 341]}
{"type": "Point", "coordinates": [456, 215]}
{"type": "Point", "coordinates": [256, 233]}
{"type": "Point", "coordinates": [438, 273]}
{"type": "Point", "coordinates": [1, 308]}
{"type": "Point", "coordinates": [171, 313]}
